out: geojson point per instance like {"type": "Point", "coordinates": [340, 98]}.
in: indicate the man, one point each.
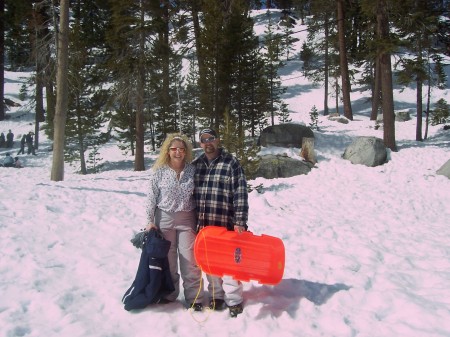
{"type": "Point", "coordinates": [29, 141]}
{"type": "Point", "coordinates": [22, 145]}
{"type": "Point", "coordinates": [8, 161]}
{"type": "Point", "coordinates": [222, 200]}
{"type": "Point", "coordinates": [9, 139]}
{"type": "Point", "coordinates": [2, 140]}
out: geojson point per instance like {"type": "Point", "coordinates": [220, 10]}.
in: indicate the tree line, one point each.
{"type": "Point", "coordinates": [139, 69]}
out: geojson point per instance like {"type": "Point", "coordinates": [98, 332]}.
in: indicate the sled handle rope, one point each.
{"type": "Point", "coordinates": [201, 287]}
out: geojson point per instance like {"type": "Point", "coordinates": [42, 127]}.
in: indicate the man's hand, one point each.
{"type": "Point", "coordinates": [239, 229]}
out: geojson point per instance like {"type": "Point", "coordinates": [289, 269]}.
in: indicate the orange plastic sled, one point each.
{"type": "Point", "coordinates": [243, 256]}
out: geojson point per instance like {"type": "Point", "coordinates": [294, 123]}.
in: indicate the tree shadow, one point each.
{"type": "Point", "coordinates": [441, 139]}
{"type": "Point", "coordinates": [286, 296]}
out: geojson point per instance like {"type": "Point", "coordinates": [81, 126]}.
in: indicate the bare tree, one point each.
{"type": "Point", "coordinates": [62, 93]}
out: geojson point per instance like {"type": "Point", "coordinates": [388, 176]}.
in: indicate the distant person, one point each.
{"type": "Point", "coordinates": [17, 163]}
{"type": "Point", "coordinates": [8, 161]}
{"type": "Point", "coordinates": [23, 140]}
{"type": "Point", "coordinates": [29, 141]}
{"type": "Point", "coordinates": [2, 140]}
{"type": "Point", "coordinates": [9, 139]}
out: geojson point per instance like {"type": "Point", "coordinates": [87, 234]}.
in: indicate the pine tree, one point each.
{"type": "Point", "coordinates": [44, 38]}
{"type": "Point", "coordinates": [86, 99]}
{"type": "Point", "coordinates": [95, 159]}
{"type": "Point", "coordinates": [131, 26]}
{"type": "Point", "coordinates": [123, 124]}
{"type": "Point", "coordinates": [190, 96]}
{"type": "Point", "coordinates": [286, 22]}
{"type": "Point", "coordinates": [271, 56]}
{"type": "Point", "coordinates": [322, 42]}
{"type": "Point", "coordinates": [244, 80]}
{"type": "Point", "coordinates": [17, 33]}
{"type": "Point", "coordinates": [441, 113]}
{"type": "Point", "coordinates": [164, 89]}
{"type": "Point", "coordinates": [309, 59]}
{"type": "Point", "coordinates": [234, 142]}
{"type": "Point", "coordinates": [420, 29]}
{"type": "Point", "coordinates": [164, 83]}
{"type": "Point", "coordinates": [283, 115]}
{"type": "Point", "coordinates": [314, 116]}
{"type": "Point", "coordinates": [211, 41]}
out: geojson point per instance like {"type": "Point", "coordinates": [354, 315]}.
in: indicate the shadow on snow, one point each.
{"type": "Point", "coordinates": [286, 296]}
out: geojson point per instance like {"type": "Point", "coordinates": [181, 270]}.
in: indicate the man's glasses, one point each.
{"type": "Point", "coordinates": [208, 139]}
{"type": "Point", "coordinates": [179, 149]}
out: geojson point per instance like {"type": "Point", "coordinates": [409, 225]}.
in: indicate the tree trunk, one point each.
{"type": "Point", "coordinates": [202, 81]}
{"type": "Point", "coordinates": [376, 90]}
{"type": "Point", "coordinates": [427, 111]}
{"type": "Point", "coordinates": [39, 116]}
{"type": "Point", "coordinates": [41, 58]}
{"type": "Point", "coordinates": [419, 84]}
{"type": "Point", "coordinates": [343, 62]}
{"type": "Point", "coordinates": [50, 80]}
{"type": "Point", "coordinates": [386, 77]}
{"type": "Point", "coordinates": [2, 60]}
{"type": "Point", "coordinates": [39, 53]}
{"type": "Point", "coordinates": [36, 135]}
{"type": "Point", "coordinates": [336, 102]}
{"type": "Point", "coordinates": [419, 102]}
{"type": "Point", "coordinates": [57, 173]}
{"type": "Point", "coordinates": [139, 156]}
{"type": "Point", "coordinates": [83, 167]}
{"type": "Point", "coordinates": [326, 69]}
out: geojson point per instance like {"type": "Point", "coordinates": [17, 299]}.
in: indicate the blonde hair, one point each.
{"type": "Point", "coordinates": [164, 158]}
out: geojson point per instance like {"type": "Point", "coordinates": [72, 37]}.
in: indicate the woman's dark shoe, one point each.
{"type": "Point", "coordinates": [196, 306]}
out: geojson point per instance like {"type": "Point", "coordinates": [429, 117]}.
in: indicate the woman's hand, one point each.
{"type": "Point", "coordinates": [150, 226]}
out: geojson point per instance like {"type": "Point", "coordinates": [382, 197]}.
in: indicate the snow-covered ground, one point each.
{"type": "Point", "coordinates": [367, 249]}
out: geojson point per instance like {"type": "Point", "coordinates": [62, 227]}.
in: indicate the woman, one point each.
{"type": "Point", "coordinates": [171, 208]}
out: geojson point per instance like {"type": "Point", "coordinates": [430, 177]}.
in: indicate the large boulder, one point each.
{"type": "Point", "coordinates": [402, 116]}
{"type": "Point", "coordinates": [279, 166]}
{"type": "Point", "coordinates": [339, 119]}
{"type": "Point", "coordinates": [368, 151]}
{"type": "Point", "coordinates": [285, 135]}
{"type": "Point", "coordinates": [445, 170]}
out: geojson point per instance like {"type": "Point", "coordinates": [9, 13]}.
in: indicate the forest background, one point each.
{"type": "Point", "coordinates": [136, 70]}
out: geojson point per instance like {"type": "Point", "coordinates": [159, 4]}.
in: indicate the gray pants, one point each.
{"type": "Point", "coordinates": [225, 288]}
{"type": "Point", "coordinates": [179, 229]}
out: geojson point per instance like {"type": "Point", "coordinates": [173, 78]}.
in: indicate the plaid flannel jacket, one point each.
{"type": "Point", "coordinates": [220, 191]}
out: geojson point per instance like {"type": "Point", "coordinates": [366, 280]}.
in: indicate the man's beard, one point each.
{"type": "Point", "coordinates": [210, 149]}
